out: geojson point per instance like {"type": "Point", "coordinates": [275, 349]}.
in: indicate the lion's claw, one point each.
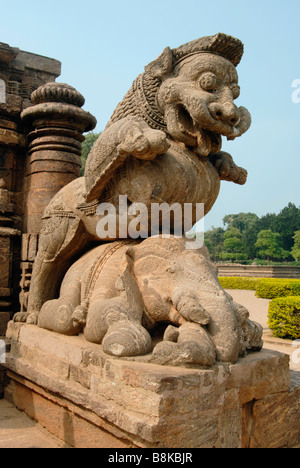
{"type": "Point", "coordinates": [26, 317]}
{"type": "Point", "coordinates": [227, 168]}
{"type": "Point", "coordinates": [143, 142]}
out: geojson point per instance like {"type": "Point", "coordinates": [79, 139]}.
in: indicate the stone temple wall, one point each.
{"type": "Point", "coordinates": [20, 74]}
{"type": "Point", "coordinates": [41, 132]}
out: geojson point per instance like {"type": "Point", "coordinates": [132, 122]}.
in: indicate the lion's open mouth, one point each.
{"type": "Point", "coordinates": [204, 141]}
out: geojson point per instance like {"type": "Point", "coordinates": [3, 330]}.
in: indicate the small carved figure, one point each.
{"type": "Point", "coordinates": [162, 145]}
{"type": "Point", "coordinates": [119, 291]}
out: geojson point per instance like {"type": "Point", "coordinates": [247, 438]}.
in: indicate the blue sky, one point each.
{"type": "Point", "coordinates": [103, 46]}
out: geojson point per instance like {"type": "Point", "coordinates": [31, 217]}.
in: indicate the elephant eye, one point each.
{"type": "Point", "coordinates": [208, 81]}
{"type": "Point", "coordinates": [235, 89]}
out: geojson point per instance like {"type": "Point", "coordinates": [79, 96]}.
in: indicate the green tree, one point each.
{"type": "Point", "coordinates": [213, 240]}
{"type": "Point", "coordinates": [87, 145]}
{"type": "Point", "coordinates": [287, 223]}
{"type": "Point", "coordinates": [247, 225]}
{"type": "Point", "coordinates": [296, 249]}
{"type": "Point", "coordinates": [241, 221]}
{"type": "Point", "coordinates": [268, 244]}
{"type": "Point", "coordinates": [233, 240]}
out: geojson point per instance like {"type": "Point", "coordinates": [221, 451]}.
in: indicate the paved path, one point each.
{"type": "Point", "coordinates": [258, 309]}
{"type": "Point", "coordinates": [18, 431]}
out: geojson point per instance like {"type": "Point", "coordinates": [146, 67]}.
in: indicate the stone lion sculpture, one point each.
{"type": "Point", "coordinates": [161, 145]}
{"type": "Point", "coordinates": [117, 292]}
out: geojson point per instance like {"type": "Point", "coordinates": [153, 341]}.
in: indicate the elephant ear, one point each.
{"type": "Point", "coordinates": [162, 66]}
{"type": "Point", "coordinates": [127, 287]}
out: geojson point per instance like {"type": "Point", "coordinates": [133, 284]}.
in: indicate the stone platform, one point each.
{"type": "Point", "coordinates": [89, 399]}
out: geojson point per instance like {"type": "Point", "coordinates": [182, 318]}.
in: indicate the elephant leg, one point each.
{"type": "Point", "coordinates": [109, 322]}
{"type": "Point", "coordinates": [197, 280]}
{"type": "Point", "coordinates": [251, 337]}
{"type": "Point", "coordinates": [116, 322]}
{"type": "Point", "coordinates": [190, 344]}
{"type": "Point", "coordinates": [57, 314]}
{"type": "Point", "coordinates": [61, 239]}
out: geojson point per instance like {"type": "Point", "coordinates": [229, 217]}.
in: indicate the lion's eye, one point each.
{"type": "Point", "coordinates": [235, 89]}
{"type": "Point", "coordinates": [208, 81]}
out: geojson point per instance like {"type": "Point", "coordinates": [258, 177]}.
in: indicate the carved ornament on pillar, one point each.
{"type": "Point", "coordinates": [58, 123]}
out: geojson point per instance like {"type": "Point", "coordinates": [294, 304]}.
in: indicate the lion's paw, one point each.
{"type": "Point", "coordinates": [26, 317]}
{"type": "Point", "coordinates": [143, 142]}
{"type": "Point", "coordinates": [227, 168]}
{"type": "Point", "coordinates": [187, 345]}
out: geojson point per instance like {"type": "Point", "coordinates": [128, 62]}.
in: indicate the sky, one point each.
{"type": "Point", "coordinates": [104, 45]}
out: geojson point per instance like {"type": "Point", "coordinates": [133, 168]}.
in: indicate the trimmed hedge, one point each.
{"type": "Point", "coordinates": [232, 282]}
{"type": "Point", "coordinates": [271, 288]}
{"type": "Point", "coordinates": [284, 317]}
{"type": "Point", "coordinates": [266, 288]}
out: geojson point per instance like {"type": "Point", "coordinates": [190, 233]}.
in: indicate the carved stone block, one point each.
{"type": "Point", "coordinates": [147, 405]}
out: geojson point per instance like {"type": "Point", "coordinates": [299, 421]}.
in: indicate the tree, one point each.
{"type": "Point", "coordinates": [213, 240]}
{"type": "Point", "coordinates": [87, 145]}
{"type": "Point", "coordinates": [247, 225]}
{"type": "Point", "coordinates": [241, 221]}
{"type": "Point", "coordinates": [296, 249]}
{"type": "Point", "coordinates": [233, 240]}
{"type": "Point", "coordinates": [238, 257]}
{"type": "Point", "coordinates": [268, 244]}
{"type": "Point", "coordinates": [233, 245]}
{"type": "Point", "coordinates": [287, 223]}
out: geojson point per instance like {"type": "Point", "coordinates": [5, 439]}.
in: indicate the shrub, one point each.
{"type": "Point", "coordinates": [232, 282]}
{"type": "Point", "coordinates": [271, 288]}
{"type": "Point", "coordinates": [284, 317]}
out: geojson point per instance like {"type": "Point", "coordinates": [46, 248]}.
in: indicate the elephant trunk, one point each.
{"type": "Point", "coordinates": [196, 276]}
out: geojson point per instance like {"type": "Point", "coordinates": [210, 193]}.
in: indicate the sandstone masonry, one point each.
{"type": "Point", "coordinates": [20, 74]}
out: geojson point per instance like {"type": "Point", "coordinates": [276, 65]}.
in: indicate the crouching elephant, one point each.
{"type": "Point", "coordinates": [116, 294]}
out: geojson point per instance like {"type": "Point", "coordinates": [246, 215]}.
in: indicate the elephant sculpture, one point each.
{"type": "Point", "coordinates": [117, 293]}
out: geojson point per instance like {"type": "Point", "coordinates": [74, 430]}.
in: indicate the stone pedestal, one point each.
{"type": "Point", "coordinates": [89, 399]}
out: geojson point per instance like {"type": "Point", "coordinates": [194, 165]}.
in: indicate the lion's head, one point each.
{"type": "Point", "coordinates": [189, 93]}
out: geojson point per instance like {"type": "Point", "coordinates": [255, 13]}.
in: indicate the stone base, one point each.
{"type": "Point", "coordinates": [89, 399]}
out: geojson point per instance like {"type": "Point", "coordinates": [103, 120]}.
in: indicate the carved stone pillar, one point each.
{"type": "Point", "coordinates": [58, 124]}
{"type": "Point", "coordinates": [55, 126]}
